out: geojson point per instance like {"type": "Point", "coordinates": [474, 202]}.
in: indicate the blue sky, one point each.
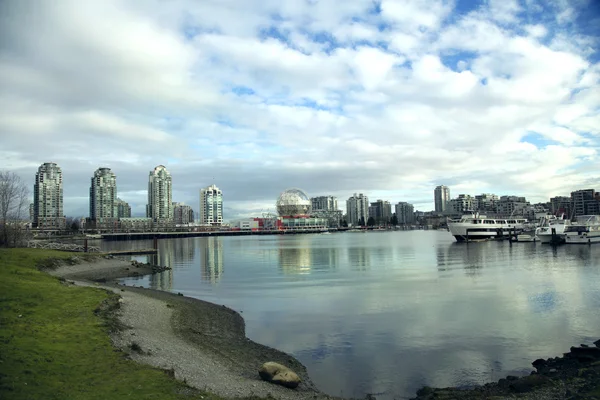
{"type": "Point", "coordinates": [389, 98]}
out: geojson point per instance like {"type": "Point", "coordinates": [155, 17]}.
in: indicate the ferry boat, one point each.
{"type": "Point", "coordinates": [585, 230]}
{"type": "Point", "coordinates": [544, 231]}
{"type": "Point", "coordinates": [480, 227]}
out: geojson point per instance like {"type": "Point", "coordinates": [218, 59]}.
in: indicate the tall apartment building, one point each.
{"type": "Point", "coordinates": [441, 197]}
{"type": "Point", "coordinates": [585, 202]}
{"type": "Point", "coordinates": [160, 193]}
{"type": "Point", "coordinates": [357, 209]}
{"type": "Point", "coordinates": [380, 211]}
{"type": "Point", "coordinates": [211, 206]}
{"type": "Point", "coordinates": [123, 209]}
{"type": "Point", "coordinates": [103, 195]}
{"type": "Point", "coordinates": [324, 203]}
{"type": "Point", "coordinates": [182, 214]}
{"type": "Point", "coordinates": [405, 212]}
{"type": "Point", "coordinates": [48, 198]}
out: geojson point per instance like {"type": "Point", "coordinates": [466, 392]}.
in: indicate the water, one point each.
{"type": "Point", "coordinates": [388, 312]}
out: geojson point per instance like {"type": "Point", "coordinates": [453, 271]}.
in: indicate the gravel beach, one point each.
{"type": "Point", "coordinates": [203, 343]}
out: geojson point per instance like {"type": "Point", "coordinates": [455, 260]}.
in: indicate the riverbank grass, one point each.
{"type": "Point", "coordinates": [54, 341]}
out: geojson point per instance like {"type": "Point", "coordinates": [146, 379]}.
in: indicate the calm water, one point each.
{"type": "Point", "coordinates": [388, 312]}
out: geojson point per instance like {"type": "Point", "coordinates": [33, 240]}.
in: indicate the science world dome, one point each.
{"type": "Point", "coordinates": [292, 202]}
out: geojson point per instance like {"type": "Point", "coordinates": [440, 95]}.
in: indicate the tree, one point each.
{"type": "Point", "coordinates": [14, 197]}
{"type": "Point", "coordinates": [394, 220]}
{"type": "Point", "coordinates": [361, 221]}
{"type": "Point", "coordinates": [371, 221]}
{"type": "Point", "coordinates": [73, 224]}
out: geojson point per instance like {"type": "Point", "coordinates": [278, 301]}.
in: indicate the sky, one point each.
{"type": "Point", "coordinates": [388, 98]}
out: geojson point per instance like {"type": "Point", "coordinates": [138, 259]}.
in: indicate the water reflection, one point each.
{"type": "Point", "coordinates": [358, 258]}
{"type": "Point", "coordinates": [212, 258]}
{"type": "Point", "coordinates": [295, 255]}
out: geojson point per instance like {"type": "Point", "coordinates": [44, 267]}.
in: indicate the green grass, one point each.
{"type": "Point", "coordinates": [53, 345]}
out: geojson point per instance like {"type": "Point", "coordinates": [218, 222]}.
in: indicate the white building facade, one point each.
{"type": "Point", "coordinates": [48, 198]}
{"type": "Point", "coordinates": [160, 193]}
{"type": "Point", "coordinates": [357, 209]}
{"type": "Point", "coordinates": [211, 206]}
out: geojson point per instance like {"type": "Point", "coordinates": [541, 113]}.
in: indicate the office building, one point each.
{"type": "Point", "coordinates": [103, 195]}
{"type": "Point", "coordinates": [357, 210]}
{"type": "Point", "coordinates": [160, 192]}
{"type": "Point", "coordinates": [48, 198]}
{"type": "Point", "coordinates": [441, 197]}
{"type": "Point", "coordinates": [211, 206]}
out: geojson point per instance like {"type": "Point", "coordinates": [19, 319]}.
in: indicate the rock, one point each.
{"type": "Point", "coordinates": [597, 343]}
{"type": "Point", "coordinates": [539, 362]}
{"type": "Point", "coordinates": [528, 383]}
{"type": "Point", "coordinates": [279, 374]}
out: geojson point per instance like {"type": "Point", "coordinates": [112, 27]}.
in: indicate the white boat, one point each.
{"type": "Point", "coordinates": [480, 227]}
{"type": "Point", "coordinates": [585, 230]}
{"type": "Point", "coordinates": [545, 232]}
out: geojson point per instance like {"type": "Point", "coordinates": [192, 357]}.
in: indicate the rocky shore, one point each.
{"type": "Point", "coordinates": [205, 345]}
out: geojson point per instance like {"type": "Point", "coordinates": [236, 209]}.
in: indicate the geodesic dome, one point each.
{"type": "Point", "coordinates": [293, 202]}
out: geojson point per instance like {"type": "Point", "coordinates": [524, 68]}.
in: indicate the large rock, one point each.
{"type": "Point", "coordinates": [279, 374]}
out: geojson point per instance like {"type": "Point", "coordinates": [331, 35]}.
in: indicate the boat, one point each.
{"type": "Point", "coordinates": [479, 227]}
{"type": "Point", "coordinates": [552, 230]}
{"type": "Point", "coordinates": [585, 230]}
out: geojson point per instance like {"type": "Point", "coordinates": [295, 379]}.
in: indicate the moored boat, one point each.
{"type": "Point", "coordinates": [585, 230]}
{"type": "Point", "coordinates": [479, 227]}
{"type": "Point", "coordinates": [552, 230]}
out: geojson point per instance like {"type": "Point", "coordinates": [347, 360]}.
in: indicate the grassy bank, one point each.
{"type": "Point", "coordinates": [54, 341]}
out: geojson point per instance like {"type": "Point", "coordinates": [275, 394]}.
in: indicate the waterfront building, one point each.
{"type": "Point", "coordinates": [324, 203]}
{"type": "Point", "coordinates": [405, 212]}
{"type": "Point", "coordinates": [380, 211]}
{"type": "Point", "coordinates": [561, 205]}
{"type": "Point", "coordinates": [103, 194]}
{"type": "Point", "coordinates": [486, 203]}
{"type": "Point", "coordinates": [211, 206]}
{"type": "Point", "coordinates": [512, 205]}
{"type": "Point", "coordinates": [357, 209]}
{"type": "Point", "coordinates": [182, 214]}
{"type": "Point", "coordinates": [441, 197]}
{"type": "Point", "coordinates": [585, 202]}
{"type": "Point", "coordinates": [160, 192]}
{"type": "Point", "coordinates": [460, 205]}
{"type": "Point", "coordinates": [48, 198]}
{"type": "Point", "coordinates": [123, 209]}
{"type": "Point", "coordinates": [136, 224]}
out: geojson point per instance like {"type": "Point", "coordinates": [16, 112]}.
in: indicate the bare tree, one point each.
{"type": "Point", "coordinates": [14, 196]}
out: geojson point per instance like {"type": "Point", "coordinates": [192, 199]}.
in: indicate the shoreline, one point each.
{"type": "Point", "coordinates": [205, 345]}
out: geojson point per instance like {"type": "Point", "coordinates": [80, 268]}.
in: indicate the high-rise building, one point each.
{"type": "Point", "coordinates": [380, 211]}
{"type": "Point", "coordinates": [463, 203]}
{"type": "Point", "coordinates": [405, 212]}
{"type": "Point", "coordinates": [48, 198]}
{"type": "Point", "coordinates": [160, 192]}
{"type": "Point", "coordinates": [324, 203]}
{"type": "Point", "coordinates": [211, 206]}
{"type": "Point", "coordinates": [182, 214]}
{"type": "Point", "coordinates": [103, 195]}
{"type": "Point", "coordinates": [123, 209]}
{"type": "Point", "coordinates": [357, 209]}
{"type": "Point", "coordinates": [441, 197]}
{"type": "Point", "coordinates": [584, 202]}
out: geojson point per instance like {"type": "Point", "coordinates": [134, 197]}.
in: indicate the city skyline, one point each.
{"type": "Point", "coordinates": [385, 98]}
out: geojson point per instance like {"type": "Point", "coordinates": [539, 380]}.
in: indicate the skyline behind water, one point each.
{"type": "Point", "coordinates": [388, 312]}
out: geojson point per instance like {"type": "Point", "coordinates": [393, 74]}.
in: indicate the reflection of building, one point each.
{"type": "Point", "coordinates": [48, 198]}
{"type": "Point", "coordinates": [358, 258]}
{"type": "Point", "coordinates": [357, 209]}
{"type": "Point", "coordinates": [164, 258]}
{"type": "Point", "coordinates": [441, 197]}
{"type": "Point", "coordinates": [160, 206]}
{"type": "Point", "coordinates": [212, 258]}
{"type": "Point", "coordinates": [295, 260]}
{"type": "Point", "coordinates": [211, 206]}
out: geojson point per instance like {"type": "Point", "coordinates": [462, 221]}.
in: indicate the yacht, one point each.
{"type": "Point", "coordinates": [479, 227]}
{"type": "Point", "coordinates": [585, 230]}
{"type": "Point", "coordinates": [558, 224]}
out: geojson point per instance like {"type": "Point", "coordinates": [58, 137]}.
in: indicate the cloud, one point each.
{"type": "Point", "coordinates": [388, 98]}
